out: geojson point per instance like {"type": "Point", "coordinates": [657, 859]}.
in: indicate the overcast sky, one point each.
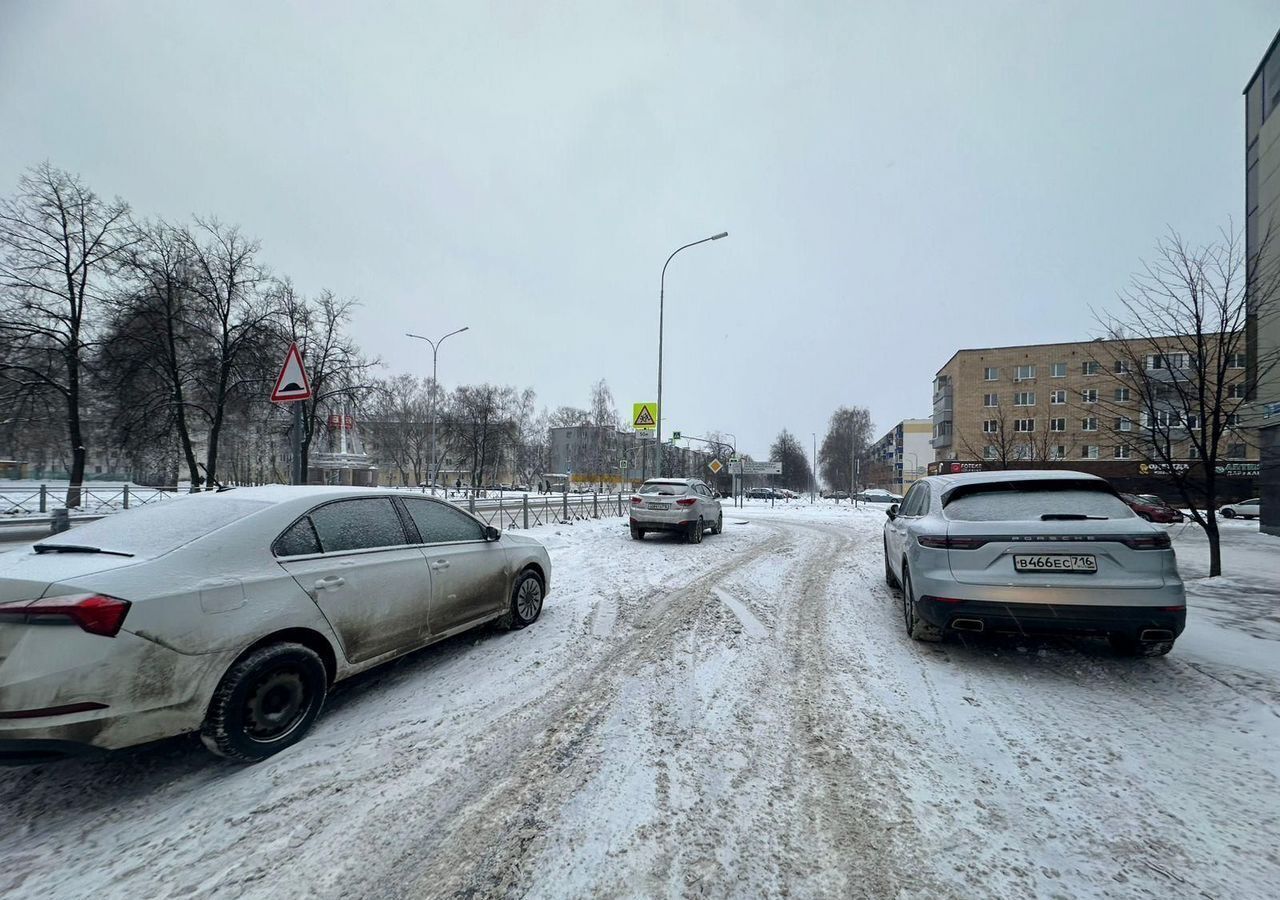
{"type": "Point", "coordinates": [898, 180]}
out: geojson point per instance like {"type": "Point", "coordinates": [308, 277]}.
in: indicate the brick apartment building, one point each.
{"type": "Point", "coordinates": [1069, 404]}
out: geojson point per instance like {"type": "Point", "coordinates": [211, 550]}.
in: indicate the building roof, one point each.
{"type": "Point", "coordinates": [1275, 41]}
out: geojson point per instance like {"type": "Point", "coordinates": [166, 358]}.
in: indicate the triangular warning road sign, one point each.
{"type": "Point", "coordinates": [644, 417]}
{"type": "Point", "coordinates": [292, 384]}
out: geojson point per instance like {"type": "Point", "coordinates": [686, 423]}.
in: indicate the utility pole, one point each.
{"type": "Point", "coordinates": [813, 473]}
{"type": "Point", "coordinates": [434, 468]}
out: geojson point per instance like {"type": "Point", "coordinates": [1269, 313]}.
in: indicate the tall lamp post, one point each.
{"type": "Point", "coordinates": [434, 470]}
{"type": "Point", "coordinates": [813, 475]}
{"type": "Point", "coordinates": [662, 290]}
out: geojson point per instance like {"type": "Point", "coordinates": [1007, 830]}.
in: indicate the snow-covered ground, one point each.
{"type": "Point", "coordinates": [743, 717]}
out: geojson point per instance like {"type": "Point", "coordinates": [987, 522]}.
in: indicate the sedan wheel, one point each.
{"type": "Point", "coordinates": [526, 602]}
{"type": "Point", "coordinates": [1229, 513]}
{"type": "Point", "coordinates": [266, 702]}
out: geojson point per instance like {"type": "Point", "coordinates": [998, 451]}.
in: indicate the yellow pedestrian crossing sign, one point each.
{"type": "Point", "coordinates": [644, 416]}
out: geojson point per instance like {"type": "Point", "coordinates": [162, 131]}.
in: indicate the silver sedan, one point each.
{"type": "Point", "coordinates": [1032, 551]}
{"type": "Point", "coordinates": [232, 613]}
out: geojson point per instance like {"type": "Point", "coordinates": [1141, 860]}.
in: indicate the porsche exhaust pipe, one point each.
{"type": "Point", "coordinates": [1156, 634]}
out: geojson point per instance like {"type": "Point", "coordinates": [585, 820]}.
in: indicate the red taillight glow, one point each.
{"type": "Point", "coordinates": [94, 613]}
{"type": "Point", "coordinates": [1148, 542]}
{"type": "Point", "coordinates": [686, 501]}
{"type": "Point", "coordinates": [636, 501]}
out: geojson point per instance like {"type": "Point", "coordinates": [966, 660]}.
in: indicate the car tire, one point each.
{"type": "Point", "coordinates": [917, 628]}
{"type": "Point", "coordinates": [1128, 645]}
{"type": "Point", "coordinates": [526, 602]}
{"type": "Point", "coordinates": [1229, 512]}
{"type": "Point", "coordinates": [718, 528]}
{"type": "Point", "coordinates": [696, 531]}
{"type": "Point", "coordinates": [1145, 516]}
{"type": "Point", "coordinates": [266, 702]}
{"type": "Point", "coordinates": [637, 533]}
{"type": "Point", "coordinates": [889, 578]}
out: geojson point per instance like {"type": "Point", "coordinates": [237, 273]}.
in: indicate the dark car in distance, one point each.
{"type": "Point", "coordinates": [1152, 508]}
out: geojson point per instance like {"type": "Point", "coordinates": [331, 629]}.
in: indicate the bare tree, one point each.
{"type": "Point", "coordinates": [1180, 344]}
{"type": "Point", "coordinates": [150, 363]}
{"type": "Point", "coordinates": [59, 243]}
{"type": "Point", "coordinates": [399, 419]}
{"type": "Point", "coordinates": [481, 426]}
{"type": "Point", "coordinates": [335, 367]}
{"type": "Point", "coordinates": [848, 434]}
{"type": "Point", "coordinates": [787, 450]}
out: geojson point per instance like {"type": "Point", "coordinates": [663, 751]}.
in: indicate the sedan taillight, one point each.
{"type": "Point", "coordinates": [94, 613]}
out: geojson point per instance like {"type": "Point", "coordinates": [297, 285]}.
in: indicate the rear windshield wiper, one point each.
{"type": "Point", "coordinates": [1069, 517]}
{"type": "Point", "coordinates": [76, 548]}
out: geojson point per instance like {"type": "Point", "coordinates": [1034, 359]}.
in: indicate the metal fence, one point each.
{"type": "Point", "coordinates": [543, 509]}
{"type": "Point", "coordinates": [33, 501]}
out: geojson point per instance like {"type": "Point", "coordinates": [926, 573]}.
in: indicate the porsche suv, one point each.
{"type": "Point", "coordinates": [1032, 552]}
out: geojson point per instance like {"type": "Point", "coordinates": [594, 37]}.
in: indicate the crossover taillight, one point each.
{"type": "Point", "coordinates": [637, 500]}
{"type": "Point", "coordinates": [1148, 542]}
{"type": "Point", "coordinates": [686, 501]}
{"type": "Point", "coordinates": [94, 613]}
{"type": "Point", "coordinates": [942, 542]}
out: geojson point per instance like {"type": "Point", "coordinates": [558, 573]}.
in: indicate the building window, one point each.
{"type": "Point", "coordinates": [1024, 451]}
{"type": "Point", "coordinates": [990, 374]}
{"type": "Point", "coordinates": [1024, 373]}
{"type": "Point", "coordinates": [991, 426]}
{"type": "Point", "coordinates": [1122, 451]}
{"type": "Point", "coordinates": [1235, 451]}
{"type": "Point", "coordinates": [1089, 451]}
{"type": "Point", "coordinates": [1058, 452]}
{"type": "Point", "coordinates": [1193, 421]}
{"type": "Point", "coordinates": [1124, 423]}
{"type": "Point", "coordinates": [1167, 361]}
{"type": "Point", "coordinates": [1024, 398]}
{"type": "Point", "coordinates": [1236, 391]}
{"type": "Point", "coordinates": [1233, 420]}
{"type": "Point", "coordinates": [1058, 370]}
{"type": "Point", "coordinates": [1122, 395]}
{"type": "Point", "coordinates": [1024, 425]}
{"type": "Point", "coordinates": [1057, 424]}
{"type": "Point", "coordinates": [1121, 367]}
{"type": "Point", "coordinates": [1091, 368]}
{"type": "Point", "coordinates": [988, 452]}
{"type": "Point", "coordinates": [1089, 396]}
{"type": "Point", "coordinates": [1057, 398]}
{"type": "Point", "coordinates": [1089, 424]}
{"type": "Point", "coordinates": [990, 401]}
{"type": "Point", "coordinates": [1235, 361]}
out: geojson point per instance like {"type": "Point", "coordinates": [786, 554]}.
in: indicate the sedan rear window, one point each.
{"type": "Point", "coordinates": [358, 525]}
{"type": "Point", "coordinates": [1033, 501]}
{"type": "Point", "coordinates": [662, 489]}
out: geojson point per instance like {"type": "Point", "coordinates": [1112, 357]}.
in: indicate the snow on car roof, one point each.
{"type": "Point", "coordinates": [953, 480]}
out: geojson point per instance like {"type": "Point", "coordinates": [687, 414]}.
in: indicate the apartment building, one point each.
{"type": "Point", "coordinates": [900, 456]}
{"type": "Point", "coordinates": [1262, 219]}
{"type": "Point", "coordinates": [594, 455]}
{"type": "Point", "coordinates": [1076, 404]}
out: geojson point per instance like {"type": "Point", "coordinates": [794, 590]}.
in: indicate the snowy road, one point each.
{"type": "Point", "coordinates": [743, 717]}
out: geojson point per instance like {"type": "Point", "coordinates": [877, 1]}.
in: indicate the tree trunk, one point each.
{"type": "Point", "coordinates": [1215, 543]}
{"type": "Point", "coordinates": [74, 432]}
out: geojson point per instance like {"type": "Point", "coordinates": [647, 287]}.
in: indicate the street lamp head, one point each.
{"type": "Point", "coordinates": [464, 328]}
{"type": "Point", "coordinates": [716, 237]}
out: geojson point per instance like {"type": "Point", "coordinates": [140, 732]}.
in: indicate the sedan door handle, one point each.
{"type": "Point", "coordinates": [330, 581]}
{"type": "Point", "coordinates": [440, 564]}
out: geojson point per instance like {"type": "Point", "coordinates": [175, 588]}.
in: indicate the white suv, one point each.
{"type": "Point", "coordinates": [683, 505]}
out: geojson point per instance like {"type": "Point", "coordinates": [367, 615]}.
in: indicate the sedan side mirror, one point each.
{"type": "Point", "coordinates": [892, 511]}
{"type": "Point", "coordinates": [491, 533]}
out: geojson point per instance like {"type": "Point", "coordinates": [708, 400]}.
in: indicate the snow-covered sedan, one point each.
{"type": "Point", "coordinates": [232, 613]}
{"type": "Point", "coordinates": [1032, 552]}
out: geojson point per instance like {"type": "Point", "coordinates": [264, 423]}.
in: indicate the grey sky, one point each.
{"type": "Point", "coordinates": [898, 180]}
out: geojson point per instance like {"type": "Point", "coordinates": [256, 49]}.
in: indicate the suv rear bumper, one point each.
{"type": "Point", "coordinates": [1044, 618]}
{"type": "Point", "coordinates": [656, 524]}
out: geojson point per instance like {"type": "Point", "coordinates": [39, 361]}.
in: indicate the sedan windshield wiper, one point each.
{"type": "Point", "coordinates": [1069, 517]}
{"type": "Point", "coordinates": [76, 548]}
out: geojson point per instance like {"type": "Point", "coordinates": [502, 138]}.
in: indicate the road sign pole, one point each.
{"type": "Point", "coordinates": [299, 475]}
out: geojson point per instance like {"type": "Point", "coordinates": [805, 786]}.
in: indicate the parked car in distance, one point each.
{"type": "Point", "coordinates": [681, 505]}
{"type": "Point", "coordinates": [1032, 552]}
{"type": "Point", "coordinates": [876, 495]}
{"type": "Point", "coordinates": [1245, 509]}
{"type": "Point", "coordinates": [232, 613]}
{"type": "Point", "coordinates": [1152, 508]}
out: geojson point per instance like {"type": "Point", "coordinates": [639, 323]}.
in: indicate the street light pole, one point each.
{"type": "Point", "coordinates": [433, 471]}
{"type": "Point", "coordinates": [662, 290]}
{"type": "Point", "coordinates": [813, 474]}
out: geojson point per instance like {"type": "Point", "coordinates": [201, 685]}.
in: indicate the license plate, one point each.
{"type": "Point", "coordinates": [659, 505]}
{"type": "Point", "coordinates": [1086, 564]}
